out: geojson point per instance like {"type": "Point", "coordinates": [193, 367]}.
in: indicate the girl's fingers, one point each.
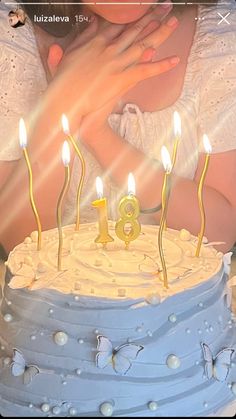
{"type": "Point", "coordinates": [131, 34]}
{"type": "Point", "coordinates": [110, 32]}
{"type": "Point", "coordinates": [152, 26]}
{"type": "Point", "coordinates": [154, 40]}
{"type": "Point", "coordinates": [55, 55]}
{"type": "Point", "coordinates": [144, 71]}
{"type": "Point", "coordinates": [85, 36]}
{"type": "Point", "coordinates": [147, 55]}
{"type": "Point", "coordinates": [162, 9]}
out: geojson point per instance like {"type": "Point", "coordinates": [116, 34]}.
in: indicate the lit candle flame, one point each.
{"type": "Point", "coordinates": [166, 160]}
{"type": "Point", "coordinates": [66, 153]}
{"type": "Point", "coordinates": [131, 184]}
{"type": "Point", "coordinates": [177, 124]}
{"type": "Point", "coordinates": [99, 187]}
{"type": "Point", "coordinates": [22, 134]}
{"type": "Point", "coordinates": [65, 124]}
{"type": "Point", "coordinates": [207, 144]}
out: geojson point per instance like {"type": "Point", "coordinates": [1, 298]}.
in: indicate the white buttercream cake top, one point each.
{"type": "Point", "coordinates": [114, 272]}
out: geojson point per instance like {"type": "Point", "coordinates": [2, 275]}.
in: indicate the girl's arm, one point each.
{"type": "Point", "coordinates": [219, 192]}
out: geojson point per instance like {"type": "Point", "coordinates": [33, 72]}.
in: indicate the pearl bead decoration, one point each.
{"type": "Point", "coordinates": [172, 318]}
{"type": "Point", "coordinates": [73, 411]}
{"type": "Point", "coordinates": [184, 235]}
{"type": "Point", "coordinates": [152, 406]}
{"type": "Point", "coordinates": [45, 407]}
{"type": "Point", "coordinates": [173, 362]}
{"type": "Point", "coordinates": [56, 410]}
{"type": "Point", "coordinates": [60, 338]}
{"type": "Point", "coordinates": [154, 299]}
{"type": "Point", "coordinates": [106, 409]}
{"type": "Point", "coordinates": [8, 318]}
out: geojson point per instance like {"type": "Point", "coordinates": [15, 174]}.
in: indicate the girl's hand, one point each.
{"type": "Point", "coordinates": [109, 63]}
{"type": "Point", "coordinates": [94, 125]}
{"type": "Point", "coordinates": [56, 52]}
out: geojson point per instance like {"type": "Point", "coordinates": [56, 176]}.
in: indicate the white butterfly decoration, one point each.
{"type": "Point", "coordinates": [22, 278]}
{"type": "Point", "coordinates": [219, 366]}
{"type": "Point", "coordinates": [228, 296]}
{"type": "Point", "coordinates": [149, 266]}
{"type": "Point", "coordinates": [227, 262]}
{"type": "Point", "coordinates": [120, 358]}
{"type": "Point", "coordinates": [19, 367]}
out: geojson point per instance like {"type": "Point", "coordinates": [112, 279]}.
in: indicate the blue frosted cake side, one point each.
{"type": "Point", "coordinates": [167, 378]}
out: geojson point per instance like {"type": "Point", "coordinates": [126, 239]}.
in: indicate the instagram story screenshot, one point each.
{"type": "Point", "coordinates": [118, 208]}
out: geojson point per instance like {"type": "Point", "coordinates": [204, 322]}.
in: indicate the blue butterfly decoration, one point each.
{"type": "Point", "coordinates": [19, 367]}
{"type": "Point", "coordinates": [120, 358]}
{"type": "Point", "coordinates": [219, 366]}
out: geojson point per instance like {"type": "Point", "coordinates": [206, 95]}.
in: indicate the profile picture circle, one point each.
{"type": "Point", "coordinates": [17, 18]}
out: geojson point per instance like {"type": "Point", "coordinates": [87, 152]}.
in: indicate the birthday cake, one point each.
{"type": "Point", "coordinates": [104, 337]}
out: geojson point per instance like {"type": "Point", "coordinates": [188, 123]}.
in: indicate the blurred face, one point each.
{"type": "Point", "coordinates": [121, 13]}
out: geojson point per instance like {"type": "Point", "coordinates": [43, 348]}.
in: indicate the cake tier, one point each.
{"type": "Point", "coordinates": [116, 344]}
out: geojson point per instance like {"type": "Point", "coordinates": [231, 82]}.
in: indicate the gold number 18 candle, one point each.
{"type": "Point", "coordinates": [129, 212]}
{"type": "Point", "coordinates": [101, 205]}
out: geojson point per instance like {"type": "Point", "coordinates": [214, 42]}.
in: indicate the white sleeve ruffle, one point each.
{"type": "Point", "coordinates": [22, 80]}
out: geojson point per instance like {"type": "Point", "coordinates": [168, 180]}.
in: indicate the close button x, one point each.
{"type": "Point", "coordinates": [223, 18]}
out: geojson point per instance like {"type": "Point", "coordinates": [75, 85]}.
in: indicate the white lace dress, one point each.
{"type": "Point", "coordinates": [207, 103]}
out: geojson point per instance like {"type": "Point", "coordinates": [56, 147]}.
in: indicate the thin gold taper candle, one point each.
{"type": "Point", "coordinates": [66, 129]}
{"type": "Point", "coordinates": [177, 134]}
{"type": "Point", "coordinates": [208, 150]}
{"type": "Point", "coordinates": [164, 197]}
{"type": "Point", "coordinates": [66, 162]}
{"type": "Point", "coordinates": [23, 144]}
